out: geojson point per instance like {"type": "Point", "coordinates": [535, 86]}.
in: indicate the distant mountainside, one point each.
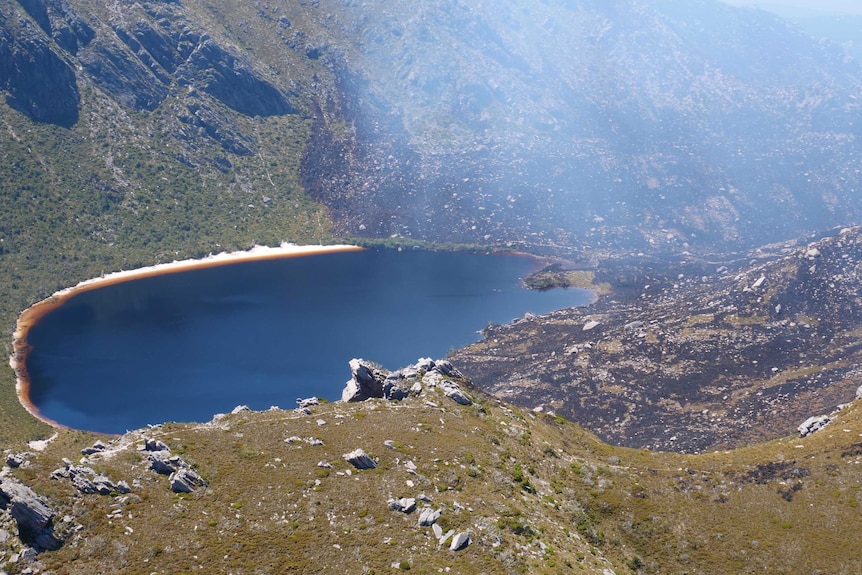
{"type": "Point", "coordinates": [654, 125]}
{"type": "Point", "coordinates": [692, 356]}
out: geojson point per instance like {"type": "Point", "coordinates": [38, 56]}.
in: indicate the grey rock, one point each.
{"type": "Point", "coordinates": [305, 403]}
{"type": "Point", "coordinates": [425, 364]}
{"type": "Point", "coordinates": [359, 459]}
{"type": "Point", "coordinates": [859, 392]}
{"type": "Point", "coordinates": [366, 382]}
{"type": "Point", "coordinates": [28, 555]}
{"type": "Point", "coordinates": [186, 480]}
{"type": "Point", "coordinates": [97, 447]}
{"type": "Point", "coordinates": [16, 459]}
{"type": "Point", "coordinates": [445, 367]}
{"type": "Point", "coordinates": [83, 484]}
{"type": "Point", "coordinates": [31, 513]}
{"type": "Point", "coordinates": [155, 445]}
{"type": "Point", "coordinates": [160, 462]}
{"type": "Point", "coordinates": [459, 541]}
{"type": "Point", "coordinates": [403, 505]}
{"type": "Point", "coordinates": [240, 409]}
{"type": "Point", "coordinates": [103, 485]}
{"type": "Point", "coordinates": [429, 517]}
{"type": "Point", "coordinates": [454, 392]}
{"type": "Point", "coordinates": [437, 530]}
{"type": "Point", "coordinates": [393, 390]}
{"type": "Point", "coordinates": [813, 424]}
{"type": "Point", "coordinates": [443, 538]}
{"type": "Point", "coordinates": [123, 487]}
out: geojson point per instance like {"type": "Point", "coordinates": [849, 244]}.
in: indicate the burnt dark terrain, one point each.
{"type": "Point", "coordinates": [692, 356]}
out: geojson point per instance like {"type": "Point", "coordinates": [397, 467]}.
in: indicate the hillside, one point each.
{"type": "Point", "coordinates": [534, 494]}
{"type": "Point", "coordinates": [138, 133]}
{"type": "Point", "coordinates": [567, 125]}
{"type": "Point", "coordinates": [692, 356]}
{"type": "Point", "coordinates": [652, 142]}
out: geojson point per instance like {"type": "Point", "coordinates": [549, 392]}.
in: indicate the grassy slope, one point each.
{"type": "Point", "coordinates": [537, 495]}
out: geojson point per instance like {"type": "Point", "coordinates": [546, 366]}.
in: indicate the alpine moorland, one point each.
{"type": "Point", "coordinates": [696, 163]}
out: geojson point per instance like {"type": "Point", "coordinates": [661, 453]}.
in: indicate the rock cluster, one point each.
{"type": "Point", "coordinates": [813, 424]}
{"type": "Point", "coordinates": [403, 505]}
{"type": "Point", "coordinates": [371, 382]}
{"type": "Point", "coordinates": [183, 478]}
{"type": "Point", "coordinates": [15, 460]}
{"type": "Point", "coordinates": [86, 480]}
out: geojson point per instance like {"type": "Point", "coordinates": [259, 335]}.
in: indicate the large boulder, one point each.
{"type": "Point", "coordinates": [813, 424]}
{"type": "Point", "coordinates": [31, 513]}
{"type": "Point", "coordinates": [359, 459]}
{"type": "Point", "coordinates": [186, 480]}
{"type": "Point", "coordinates": [459, 541]}
{"type": "Point", "coordinates": [366, 381]}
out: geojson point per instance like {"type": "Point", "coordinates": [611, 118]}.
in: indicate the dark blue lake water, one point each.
{"type": "Point", "coordinates": [183, 346]}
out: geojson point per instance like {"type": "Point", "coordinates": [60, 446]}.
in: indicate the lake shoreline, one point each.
{"type": "Point", "coordinates": [33, 314]}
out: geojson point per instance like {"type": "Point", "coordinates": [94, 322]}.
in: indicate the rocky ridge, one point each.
{"type": "Point", "coordinates": [697, 356]}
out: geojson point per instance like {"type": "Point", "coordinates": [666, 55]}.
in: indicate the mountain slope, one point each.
{"type": "Point", "coordinates": [534, 493]}
{"type": "Point", "coordinates": [659, 124]}
{"type": "Point", "coordinates": [699, 356]}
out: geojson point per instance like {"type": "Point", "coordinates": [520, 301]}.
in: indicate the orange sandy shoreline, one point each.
{"type": "Point", "coordinates": [31, 316]}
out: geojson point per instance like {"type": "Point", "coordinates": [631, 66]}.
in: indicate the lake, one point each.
{"type": "Point", "coordinates": [183, 346]}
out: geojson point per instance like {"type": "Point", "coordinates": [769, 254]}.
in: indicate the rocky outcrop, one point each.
{"type": "Point", "coordinates": [31, 513]}
{"type": "Point", "coordinates": [186, 480]}
{"type": "Point", "coordinates": [369, 381]}
{"type": "Point", "coordinates": [403, 505]}
{"type": "Point", "coordinates": [86, 480]}
{"type": "Point", "coordinates": [97, 447]}
{"type": "Point", "coordinates": [15, 460]}
{"type": "Point", "coordinates": [38, 81]}
{"type": "Point", "coordinates": [813, 424]}
{"type": "Point", "coordinates": [182, 477]}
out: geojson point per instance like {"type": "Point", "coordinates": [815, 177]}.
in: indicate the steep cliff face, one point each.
{"type": "Point", "coordinates": [36, 79]}
{"type": "Point", "coordinates": [140, 56]}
